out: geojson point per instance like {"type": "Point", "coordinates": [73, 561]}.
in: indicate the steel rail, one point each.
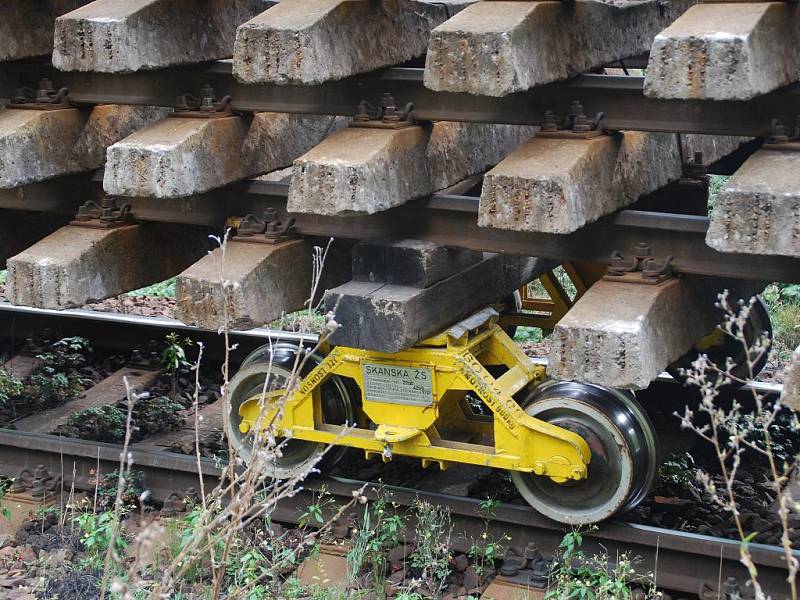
{"type": "Point", "coordinates": [682, 561]}
{"type": "Point", "coordinates": [620, 98]}
{"type": "Point", "coordinates": [447, 218]}
{"type": "Point", "coordinates": [122, 331]}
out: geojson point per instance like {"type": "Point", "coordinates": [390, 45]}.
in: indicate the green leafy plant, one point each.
{"type": "Point", "coordinates": [55, 381]}
{"type": "Point", "coordinates": [173, 358]}
{"type": "Point", "coordinates": [10, 388]}
{"type": "Point", "coordinates": [96, 532]}
{"type": "Point", "coordinates": [97, 423]}
{"type": "Point", "coordinates": [4, 512]}
{"type": "Point", "coordinates": [132, 492]}
{"type": "Point", "coordinates": [783, 304]}
{"type": "Point", "coordinates": [678, 469]}
{"type": "Point", "coordinates": [579, 576]}
{"type": "Point", "coordinates": [432, 552]}
{"type": "Point", "coordinates": [485, 551]}
{"type": "Point", "coordinates": [163, 289]}
{"type": "Point", "coordinates": [154, 415]}
{"type": "Point", "coordinates": [379, 532]}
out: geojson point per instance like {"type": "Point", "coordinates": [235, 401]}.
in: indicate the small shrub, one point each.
{"type": "Point", "coordinates": [96, 532]}
{"type": "Point", "coordinates": [10, 388]}
{"type": "Point", "coordinates": [577, 575]}
{"type": "Point", "coordinates": [432, 553]}
{"type": "Point", "coordinates": [678, 469]}
{"type": "Point", "coordinates": [98, 423]}
{"type": "Point", "coordinates": [132, 493]}
{"type": "Point", "coordinates": [783, 303]}
{"type": "Point", "coordinates": [379, 533]}
{"type": "Point", "coordinates": [156, 415]}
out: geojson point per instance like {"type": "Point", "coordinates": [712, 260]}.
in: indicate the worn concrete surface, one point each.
{"type": "Point", "coordinates": [118, 36]}
{"type": "Point", "coordinates": [389, 318]}
{"type": "Point", "coordinates": [178, 157]}
{"type": "Point", "coordinates": [501, 47]}
{"type": "Point", "coordinates": [559, 185]}
{"type": "Point", "coordinates": [262, 283]}
{"type": "Point", "coordinates": [791, 383]}
{"type": "Point", "coordinates": [312, 41]}
{"type": "Point", "coordinates": [78, 265]}
{"type": "Point", "coordinates": [758, 209]}
{"type": "Point", "coordinates": [20, 229]}
{"type": "Point", "coordinates": [733, 51]}
{"type": "Point", "coordinates": [359, 170]}
{"type": "Point", "coordinates": [416, 263]}
{"type": "Point", "coordinates": [38, 145]}
{"type": "Point", "coordinates": [26, 27]}
{"type": "Point", "coordinates": [624, 335]}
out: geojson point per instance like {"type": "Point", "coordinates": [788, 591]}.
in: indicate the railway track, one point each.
{"type": "Point", "coordinates": [684, 562]}
{"type": "Point", "coordinates": [457, 150]}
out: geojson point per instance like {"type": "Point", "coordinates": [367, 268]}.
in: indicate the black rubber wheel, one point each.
{"type": "Point", "coordinates": [758, 323]}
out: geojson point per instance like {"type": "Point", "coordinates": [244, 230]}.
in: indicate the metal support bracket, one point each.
{"type": "Point", "coordinates": [206, 106]}
{"type": "Point", "coordinates": [106, 215]}
{"type": "Point", "coordinates": [642, 267]}
{"type": "Point", "coordinates": [386, 115]}
{"type": "Point", "coordinates": [44, 98]}
{"type": "Point", "coordinates": [269, 229]}
{"type": "Point", "coordinates": [781, 139]}
{"type": "Point", "coordinates": [574, 126]}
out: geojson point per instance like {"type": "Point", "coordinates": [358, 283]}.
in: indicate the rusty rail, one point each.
{"type": "Point", "coordinates": [683, 562]}
{"type": "Point", "coordinates": [620, 98]}
{"type": "Point", "coordinates": [448, 217]}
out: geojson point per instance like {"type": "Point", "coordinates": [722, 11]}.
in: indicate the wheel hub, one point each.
{"type": "Point", "coordinates": [274, 365]}
{"type": "Point", "coordinates": [623, 446]}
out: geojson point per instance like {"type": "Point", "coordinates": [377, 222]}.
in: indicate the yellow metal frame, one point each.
{"type": "Point", "coordinates": [546, 312]}
{"type": "Point", "coordinates": [446, 430]}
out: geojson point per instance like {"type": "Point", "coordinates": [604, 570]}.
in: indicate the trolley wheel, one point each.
{"type": "Point", "coordinates": [758, 323]}
{"type": "Point", "coordinates": [624, 452]}
{"type": "Point", "coordinates": [274, 365]}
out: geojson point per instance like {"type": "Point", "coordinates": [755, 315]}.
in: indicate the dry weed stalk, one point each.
{"type": "Point", "coordinates": [125, 464]}
{"type": "Point", "coordinates": [733, 431]}
{"type": "Point", "coordinates": [242, 495]}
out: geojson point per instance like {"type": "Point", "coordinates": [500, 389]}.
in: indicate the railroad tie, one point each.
{"type": "Point", "coordinates": [501, 47]}
{"type": "Point", "coordinates": [758, 209]}
{"type": "Point", "coordinates": [41, 144]}
{"type": "Point", "coordinates": [181, 156]}
{"type": "Point", "coordinates": [110, 36]}
{"type": "Point", "coordinates": [726, 51]}
{"type": "Point", "coordinates": [262, 282]}
{"type": "Point", "coordinates": [624, 335]}
{"type": "Point", "coordinates": [555, 185]}
{"type": "Point", "coordinates": [78, 265]}
{"type": "Point", "coordinates": [107, 392]}
{"type": "Point", "coordinates": [26, 28]}
{"type": "Point", "coordinates": [18, 230]}
{"type": "Point", "coordinates": [369, 170]}
{"type": "Point", "coordinates": [308, 42]}
{"type": "Point", "coordinates": [791, 382]}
